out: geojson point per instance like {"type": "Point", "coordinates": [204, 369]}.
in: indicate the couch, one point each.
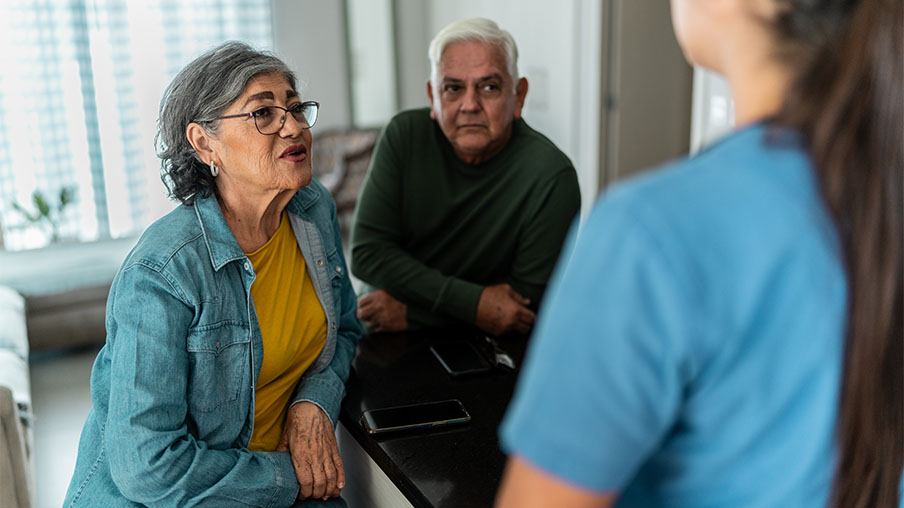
{"type": "Point", "coordinates": [65, 286]}
{"type": "Point", "coordinates": [17, 485]}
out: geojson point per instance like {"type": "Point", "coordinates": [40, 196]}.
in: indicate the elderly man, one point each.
{"type": "Point", "coordinates": [465, 207]}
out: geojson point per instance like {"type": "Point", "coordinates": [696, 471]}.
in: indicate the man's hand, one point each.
{"type": "Point", "coordinates": [309, 437]}
{"type": "Point", "coordinates": [502, 310]}
{"type": "Point", "coordinates": [382, 313]}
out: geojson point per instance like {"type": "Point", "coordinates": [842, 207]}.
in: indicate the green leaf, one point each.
{"type": "Point", "coordinates": [29, 217]}
{"type": "Point", "coordinates": [65, 197]}
{"type": "Point", "coordinates": [41, 203]}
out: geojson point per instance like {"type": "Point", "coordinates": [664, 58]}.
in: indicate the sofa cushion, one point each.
{"type": "Point", "coordinates": [12, 316]}
{"type": "Point", "coordinates": [64, 266]}
{"type": "Point", "coordinates": [14, 349]}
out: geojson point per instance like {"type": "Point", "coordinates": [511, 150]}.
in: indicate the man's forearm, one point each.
{"type": "Point", "coordinates": [413, 283]}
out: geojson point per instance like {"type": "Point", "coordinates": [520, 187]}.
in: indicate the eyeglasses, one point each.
{"type": "Point", "coordinates": [270, 119]}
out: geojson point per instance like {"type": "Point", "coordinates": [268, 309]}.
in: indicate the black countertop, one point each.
{"type": "Point", "coordinates": [455, 467]}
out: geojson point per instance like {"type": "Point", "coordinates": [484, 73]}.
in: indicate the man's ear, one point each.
{"type": "Point", "coordinates": [520, 94]}
{"type": "Point", "coordinates": [430, 98]}
{"type": "Point", "coordinates": [200, 141]}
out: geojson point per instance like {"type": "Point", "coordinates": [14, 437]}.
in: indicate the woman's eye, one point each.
{"type": "Point", "coordinates": [296, 108]}
{"type": "Point", "coordinates": [261, 113]}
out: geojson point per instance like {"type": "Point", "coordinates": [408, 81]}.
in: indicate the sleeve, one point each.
{"type": "Point", "coordinates": [606, 368]}
{"type": "Point", "coordinates": [154, 459]}
{"type": "Point", "coordinates": [541, 241]}
{"type": "Point", "coordinates": [377, 254]}
{"type": "Point", "coordinates": [326, 388]}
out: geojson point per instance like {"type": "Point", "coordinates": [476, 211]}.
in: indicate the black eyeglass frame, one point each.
{"type": "Point", "coordinates": [282, 121]}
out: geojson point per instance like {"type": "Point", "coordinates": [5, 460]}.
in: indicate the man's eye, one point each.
{"type": "Point", "coordinates": [261, 113]}
{"type": "Point", "coordinates": [451, 88]}
{"type": "Point", "coordinates": [490, 87]}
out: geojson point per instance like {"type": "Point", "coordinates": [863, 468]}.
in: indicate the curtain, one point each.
{"type": "Point", "coordinates": [80, 85]}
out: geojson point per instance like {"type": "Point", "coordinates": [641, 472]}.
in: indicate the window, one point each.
{"type": "Point", "coordinates": [80, 85]}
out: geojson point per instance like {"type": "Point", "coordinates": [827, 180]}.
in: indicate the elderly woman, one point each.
{"type": "Point", "coordinates": [231, 325]}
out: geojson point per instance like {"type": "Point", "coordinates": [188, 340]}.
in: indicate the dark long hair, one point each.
{"type": "Point", "coordinates": [848, 100]}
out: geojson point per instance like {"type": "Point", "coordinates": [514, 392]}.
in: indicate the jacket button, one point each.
{"type": "Point", "coordinates": [319, 262]}
{"type": "Point", "coordinates": [334, 326]}
{"type": "Point", "coordinates": [247, 266]}
{"type": "Point", "coordinates": [339, 269]}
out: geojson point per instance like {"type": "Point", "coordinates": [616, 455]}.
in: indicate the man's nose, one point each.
{"type": "Point", "coordinates": [471, 101]}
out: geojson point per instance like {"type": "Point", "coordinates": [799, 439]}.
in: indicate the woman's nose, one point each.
{"type": "Point", "coordinates": [291, 127]}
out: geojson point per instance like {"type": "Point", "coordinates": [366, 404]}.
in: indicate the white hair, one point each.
{"type": "Point", "coordinates": [474, 29]}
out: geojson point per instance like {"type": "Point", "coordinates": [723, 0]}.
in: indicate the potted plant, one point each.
{"type": "Point", "coordinates": [47, 213]}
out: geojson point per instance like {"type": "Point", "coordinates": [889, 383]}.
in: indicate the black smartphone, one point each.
{"type": "Point", "coordinates": [460, 358]}
{"type": "Point", "coordinates": [414, 416]}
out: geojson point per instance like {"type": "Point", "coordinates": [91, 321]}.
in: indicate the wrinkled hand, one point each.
{"type": "Point", "coordinates": [382, 313]}
{"type": "Point", "coordinates": [502, 310]}
{"type": "Point", "coordinates": [309, 437]}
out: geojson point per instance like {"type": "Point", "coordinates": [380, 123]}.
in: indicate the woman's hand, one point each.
{"type": "Point", "coordinates": [309, 437]}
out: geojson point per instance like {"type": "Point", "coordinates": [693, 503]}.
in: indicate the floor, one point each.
{"type": "Point", "coordinates": [61, 398]}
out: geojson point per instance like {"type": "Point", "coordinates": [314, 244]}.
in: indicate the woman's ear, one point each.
{"type": "Point", "coordinates": [200, 140]}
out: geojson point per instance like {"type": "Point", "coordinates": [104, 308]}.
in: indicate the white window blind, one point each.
{"type": "Point", "coordinates": [80, 85]}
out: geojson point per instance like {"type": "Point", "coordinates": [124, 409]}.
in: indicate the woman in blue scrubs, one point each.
{"type": "Point", "coordinates": [729, 329]}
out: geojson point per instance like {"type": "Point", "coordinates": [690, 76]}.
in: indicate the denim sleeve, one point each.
{"type": "Point", "coordinates": [154, 458]}
{"type": "Point", "coordinates": [326, 388]}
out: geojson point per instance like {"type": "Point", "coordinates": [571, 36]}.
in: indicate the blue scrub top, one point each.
{"type": "Point", "coordinates": [690, 351]}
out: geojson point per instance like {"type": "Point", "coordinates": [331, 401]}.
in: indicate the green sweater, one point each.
{"type": "Point", "coordinates": [433, 231]}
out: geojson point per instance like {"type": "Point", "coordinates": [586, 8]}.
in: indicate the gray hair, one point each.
{"type": "Point", "coordinates": [200, 93]}
{"type": "Point", "coordinates": [474, 29]}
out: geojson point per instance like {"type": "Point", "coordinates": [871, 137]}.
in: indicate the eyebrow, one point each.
{"type": "Point", "coordinates": [269, 95]}
{"type": "Point", "coordinates": [490, 77]}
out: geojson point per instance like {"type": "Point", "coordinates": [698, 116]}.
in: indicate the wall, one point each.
{"type": "Point", "coordinates": [713, 113]}
{"type": "Point", "coordinates": [310, 36]}
{"type": "Point", "coordinates": [372, 51]}
{"type": "Point", "coordinates": [648, 88]}
{"type": "Point", "coordinates": [413, 35]}
{"type": "Point", "coordinates": [608, 82]}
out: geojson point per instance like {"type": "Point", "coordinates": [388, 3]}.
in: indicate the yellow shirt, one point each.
{"type": "Point", "coordinates": [293, 329]}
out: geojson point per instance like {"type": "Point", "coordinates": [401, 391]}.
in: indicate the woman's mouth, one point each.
{"type": "Point", "coordinates": [295, 153]}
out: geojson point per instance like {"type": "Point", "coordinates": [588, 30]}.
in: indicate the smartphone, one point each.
{"type": "Point", "coordinates": [460, 358]}
{"type": "Point", "coordinates": [414, 416]}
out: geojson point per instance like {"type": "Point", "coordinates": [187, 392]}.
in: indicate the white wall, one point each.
{"type": "Point", "coordinates": [413, 35]}
{"type": "Point", "coordinates": [310, 36]}
{"type": "Point", "coordinates": [713, 113]}
{"type": "Point", "coordinates": [608, 83]}
{"type": "Point", "coordinates": [370, 33]}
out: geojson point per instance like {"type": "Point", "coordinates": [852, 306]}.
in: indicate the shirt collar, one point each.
{"type": "Point", "coordinates": [221, 243]}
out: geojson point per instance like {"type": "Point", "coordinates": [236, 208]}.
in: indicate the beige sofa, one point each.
{"type": "Point", "coordinates": [17, 485]}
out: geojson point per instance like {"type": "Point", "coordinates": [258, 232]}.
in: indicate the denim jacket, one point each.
{"type": "Point", "coordinates": [173, 388]}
